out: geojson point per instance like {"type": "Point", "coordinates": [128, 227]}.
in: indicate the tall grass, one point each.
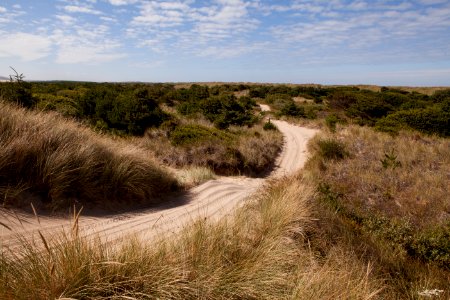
{"type": "Point", "coordinates": [262, 252]}
{"type": "Point", "coordinates": [61, 162]}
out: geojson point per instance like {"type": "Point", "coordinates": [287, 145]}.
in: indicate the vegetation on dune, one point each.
{"type": "Point", "coordinates": [62, 162]}
{"type": "Point", "coordinates": [388, 198]}
{"type": "Point", "coordinates": [260, 253]}
{"type": "Point", "coordinates": [388, 109]}
{"type": "Point", "coordinates": [377, 225]}
{"type": "Point", "coordinates": [197, 126]}
{"type": "Point", "coordinates": [235, 151]}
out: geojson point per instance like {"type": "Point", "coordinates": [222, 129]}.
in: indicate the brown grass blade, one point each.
{"type": "Point", "coordinates": [35, 213]}
{"type": "Point", "coordinates": [6, 226]}
{"type": "Point", "coordinates": [44, 241]}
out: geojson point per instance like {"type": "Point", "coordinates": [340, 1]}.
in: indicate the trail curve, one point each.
{"type": "Point", "coordinates": [213, 199]}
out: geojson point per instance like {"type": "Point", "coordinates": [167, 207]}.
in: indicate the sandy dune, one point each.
{"type": "Point", "coordinates": [213, 199]}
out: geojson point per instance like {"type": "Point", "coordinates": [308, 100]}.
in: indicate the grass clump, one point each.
{"type": "Point", "coordinates": [195, 175]}
{"type": "Point", "coordinates": [61, 162]}
{"type": "Point", "coordinates": [260, 253]}
{"type": "Point", "coordinates": [332, 149]}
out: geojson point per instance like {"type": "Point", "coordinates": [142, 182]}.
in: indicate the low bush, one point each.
{"type": "Point", "coordinates": [331, 121]}
{"type": "Point", "coordinates": [291, 109]}
{"type": "Point", "coordinates": [226, 110]}
{"type": "Point", "coordinates": [431, 120]}
{"type": "Point", "coordinates": [269, 126]}
{"type": "Point", "coordinates": [332, 149]}
{"type": "Point", "coordinates": [185, 135]}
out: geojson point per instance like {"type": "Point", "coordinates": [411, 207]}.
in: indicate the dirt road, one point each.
{"type": "Point", "coordinates": [213, 199]}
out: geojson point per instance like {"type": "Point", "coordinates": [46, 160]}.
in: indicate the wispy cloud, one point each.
{"type": "Point", "coordinates": [369, 31]}
{"type": "Point", "coordinates": [85, 45]}
{"type": "Point", "coordinates": [167, 25]}
{"type": "Point", "coordinates": [247, 34]}
{"type": "Point", "coordinates": [81, 9]}
{"type": "Point", "coordinates": [121, 2]}
{"type": "Point", "coordinates": [67, 20]}
{"type": "Point", "coordinates": [162, 14]}
{"type": "Point", "coordinates": [27, 47]}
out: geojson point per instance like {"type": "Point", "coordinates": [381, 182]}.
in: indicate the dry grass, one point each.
{"type": "Point", "coordinates": [193, 176]}
{"type": "Point", "coordinates": [417, 189]}
{"type": "Point", "coordinates": [249, 151]}
{"type": "Point", "coordinates": [261, 253]}
{"type": "Point", "coordinates": [61, 162]}
{"type": "Point", "coordinates": [394, 217]}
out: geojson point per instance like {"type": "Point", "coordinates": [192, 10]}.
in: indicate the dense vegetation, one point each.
{"type": "Point", "coordinates": [132, 108]}
{"type": "Point", "coordinates": [388, 109]}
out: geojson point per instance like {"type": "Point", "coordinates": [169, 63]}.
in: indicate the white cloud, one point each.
{"type": "Point", "coordinates": [432, 2]}
{"type": "Point", "coordinates": [26, 46]}
{"type": "Point", "coordinates": [121, 2]}
{"type": "Point", "coordinates": [67, 20]}
{"type": "Point", "coordinates": [86, 45]}
{"type": "Point", "coordinates": [231, 51]}
{"type": "Point", "coordinates": [162, 14]}
{"type": "Point", "coordinates": [81, 9]}
{"type": "Point", "coordinates": [2, 9]}
{"type": "Point", "coordinates": [108, 19]}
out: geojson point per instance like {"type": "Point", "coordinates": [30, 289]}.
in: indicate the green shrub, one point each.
{"type": "Point", "coordinates": [225, 110]}
{"type": "Point", "coordinates": [341, 100]}
{"type": "Point", "coordinates": [388, 125]}
{"type": "Point", "coordinates": [269, 126]}
{"type": "Point", "coordinates": [433, 245]}
{"type": "Point", "coordinates": [441, 95]}
{"type": "Point", "coordinates": [332, 149]}
{"type": "Point", "coordinates": [390, 160]}
{"type": "Point", "coordinates": [188, 108]}
{"type": "Point", "coordinates": [331, 121]}
{"type": "Point", "coordinates": [194, 134]}
{"type": "Point", "coordinates": [431, 120]}
{"type": "Point", "coordinates": [293, 110]}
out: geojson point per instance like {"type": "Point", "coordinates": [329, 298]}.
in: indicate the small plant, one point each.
{"type": "Point", "coordinates": [331, 121]}
{"type": "Point", "coordinates": [390, 160]}
{"type": "Point", "coordinates": [269, 126]}
{"type": "Point", "coordinates": [17, 90]}
{"type": "Point", "coordinates": [329, 196]}
{"type": "Point", "coordinates": [332, 149]}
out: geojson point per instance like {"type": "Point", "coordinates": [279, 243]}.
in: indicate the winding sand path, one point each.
{"type": "Point", "coordinates": [213, 199]}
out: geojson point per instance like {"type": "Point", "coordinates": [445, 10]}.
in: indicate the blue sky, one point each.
{"type": "Point", "coordinates": [293, 41]}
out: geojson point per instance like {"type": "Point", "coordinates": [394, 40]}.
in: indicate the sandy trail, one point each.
{"type": "Point", "coordinates": [213, 199]}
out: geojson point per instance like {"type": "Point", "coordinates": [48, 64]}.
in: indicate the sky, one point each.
{"type": "Point", "coordinates": [378, 42]}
